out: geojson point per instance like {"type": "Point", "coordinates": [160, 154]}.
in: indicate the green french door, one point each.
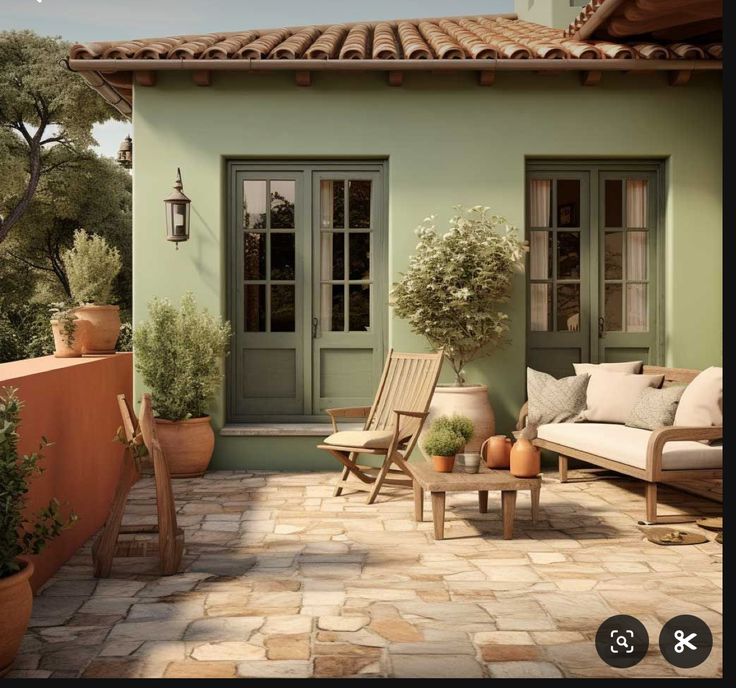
{"type": "Point", "coordinates": [594, 273]}
{"type": "Point", "coordinates": [307, 288]}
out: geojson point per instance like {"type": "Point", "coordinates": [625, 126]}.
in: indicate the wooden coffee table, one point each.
{"type": "Point", "coordinates": [482, 482]}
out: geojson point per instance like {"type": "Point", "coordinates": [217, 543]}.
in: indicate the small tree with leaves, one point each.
{"type": "Point", "coordinates": [18, 533]}
{"type": "Point", "coordinates": [456, 283]}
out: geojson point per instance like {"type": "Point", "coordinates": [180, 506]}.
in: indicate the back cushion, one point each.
{"type": "Point", "coordinates": [611, 396]}
{"type": "Point", "coordinates": [626, 367]}
{"type": "Point", "coordinates": [701, 404]}
{"type": "Point", "coordinates": [554, 401]}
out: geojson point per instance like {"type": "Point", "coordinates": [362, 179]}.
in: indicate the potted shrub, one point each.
{"type": "Point", "coordinates": [19, 535]}
{"type": "Point", "coordinates": [442, 444]}
{"type": "Point", "coordinates": [91, 267]}
{"type": "Point", "coordinates": [452, 294]}
{"type": "Point", "coordinates": [66, 331]}
{"type": "Point", "coordinates": [179, 353]}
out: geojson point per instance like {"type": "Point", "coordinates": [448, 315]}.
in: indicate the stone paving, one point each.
{"type": "Point", "coordinates": [280, 579]}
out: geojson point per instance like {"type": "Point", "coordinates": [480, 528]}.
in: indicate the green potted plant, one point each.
{"type": "Point", "coordinates": [66, 331]}
{"type": "Point", "coordinates": [19, 534]}
{"type": "Point", "coordinates": [442, 444]}
{"type": "Point", "coordinates": [179, 353]}
{"type": "Point", "coordinates": [452, 294]}
{"type": "Point", "coordinates": [91, 266]}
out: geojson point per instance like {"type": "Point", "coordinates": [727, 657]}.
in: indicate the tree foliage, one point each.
{"type": "Point", "coordinates": [91, 267]}
{"type": "Point", "coordinates": [456, 283]}
{"type": "Point", "coordinates": [46, 118]}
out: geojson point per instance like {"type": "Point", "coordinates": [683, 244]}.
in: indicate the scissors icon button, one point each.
{"type": "Point", "coordinates": [684, 642]}
{"type": "Point", "coordinates": [678, 643]}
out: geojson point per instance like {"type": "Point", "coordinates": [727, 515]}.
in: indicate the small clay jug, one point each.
{"type": "Point", "coordinates": [525, 459]}
{"type": "Point", "coordinates": [496, 451]}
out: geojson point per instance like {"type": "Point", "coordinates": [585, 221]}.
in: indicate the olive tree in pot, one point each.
{"type": "Point", "coordinates": [19, 534]}
{"type": "Point", "coordinates": [91, 267]}
{"type": "Point", "coordinates": [179, 353]}
{"type": "Point", "coordinates": [452, 294]}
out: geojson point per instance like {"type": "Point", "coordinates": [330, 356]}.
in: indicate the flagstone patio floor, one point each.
{"type": "Point", "coordinates": [280, 579]}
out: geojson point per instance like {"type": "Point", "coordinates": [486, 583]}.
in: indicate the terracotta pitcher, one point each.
{"type": "Point", "coordinates": [496, 451]}
{"type": "Point", "coordinates": [525, 459]}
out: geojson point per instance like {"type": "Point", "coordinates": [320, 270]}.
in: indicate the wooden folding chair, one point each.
{"type": "Point", "coordinates": [392, 425]}
{"type": "Point", "coordinates": [170, 544]}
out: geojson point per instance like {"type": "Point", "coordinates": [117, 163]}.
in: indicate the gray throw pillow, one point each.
{"type": "Point", "coordinates": [655, 408]}
{"type": "Point", "coordinates": [555, 401]}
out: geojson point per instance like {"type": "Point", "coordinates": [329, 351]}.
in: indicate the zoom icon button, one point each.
{"type": "Point", "coordinates": [622, 641]}
{"type": "Point", "coordinates": [686, 641]}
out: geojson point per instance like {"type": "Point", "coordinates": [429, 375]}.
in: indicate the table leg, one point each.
{"type": "Point", "coordinates": [508, 509]}
{"type": "Point", "coordinates": [438, 514]}
{"type": "Point", "coordinates": [418, 502]}
{"type": "Point", "coordinates": [483, 501]}
{"type": "Point", "coordinates": [536, 491]}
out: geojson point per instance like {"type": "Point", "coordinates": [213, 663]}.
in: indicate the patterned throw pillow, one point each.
{"type": "Point", "coordinates": [555, 401]}
{"type": "Point", "coordinates": [656, 408]}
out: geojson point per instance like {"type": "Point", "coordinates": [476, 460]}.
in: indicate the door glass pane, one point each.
{"type": "Point", "coordinates": [540, 202]}
{"type": "Point", "coordinates": [332, 203]}
{"type": "Point", "coordinates": [540, 258]}
{"type": "Point", "coordinates": [255, 256]}
{"type": "Point", "coordinates": [541, 308]}
{"type": "Point", "coordinates": [282, 256]}
{"type": "Point", "coordinates": [254, 204]}
{"type": "Point", "coordinates": [636, 202]}
{"type": "Point", "coordinates": [255, 307]}
{"type": "Point", "coordinates": [337, 259]}
{"type": "Point", "coordinates": [614, 216]}
{"type": "Point", "coordinates": [282, 204]}
{"type": "Point", "coordinates": [360, 307]}
{"type": "Point", "coordinates": [613, 307]}
{"type": "Point", "coordinates": [568, 255]}
{"type": "Point", "coordinates": [282, 308]}
{"type": "Point", "coordinates": [360, 256]}
{"type": "Point", "coordinates": [637, 311]}
{"type": "Point", "coordinates": [360, 202]}
{"type": "Point", "coordinates": [636, 256]}
{"type": "Point", "coordinates": [568, 307]}
{"type": "Point", "coordinates": [338, 306]}
{"type": "Point", "coordinates": [614, 249]}
{"type": "Point", "coordinates": [568, 203]}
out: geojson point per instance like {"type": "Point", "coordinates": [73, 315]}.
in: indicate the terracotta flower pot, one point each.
{"type": "Point", "coordinates": [16, 602]}
{"type": "Point", "coordinates": [61, 348]}
{"type": "Point", "coordinates": [525, 459]}
{"type": "Point", "coordinates": [496, 451]}
{"type": "Point", "coordinates": [443, 464]}
{"type": "Point", "coordinates": [469, 400]}
{"type": "Point", "coordinates": [187, 445]}
{"type": "Point", "coordinates": [101, 328]}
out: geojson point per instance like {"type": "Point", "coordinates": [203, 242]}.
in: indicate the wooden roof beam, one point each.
{"type": "Point", "coordinates": [395, 78]}
{"type": "Point", "coordinates": [591, 77]}
{"type": "Point", "coordinates": [487, 77]}
{"type": "Point", "coordinates": [303, 77]}
{"type": "Point", "coordinates": [202, 77]}
{"type": "Point", "coordinates": [147, 78]}
{"type": "Point", "coordinates": [680, 77]}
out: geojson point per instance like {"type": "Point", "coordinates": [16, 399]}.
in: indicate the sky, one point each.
{"type": "Point", "coordinates": [97, 20]}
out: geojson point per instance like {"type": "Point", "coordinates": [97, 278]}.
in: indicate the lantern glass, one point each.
{"type": "Point", "coordinates": [177, 213]}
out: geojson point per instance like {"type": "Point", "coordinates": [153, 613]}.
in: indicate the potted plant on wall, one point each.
{"type": "Point", "coordinates": [92, 266]}
{"type": "Point", "coordinates": [19, 534]}
{"type": "Point", "coordinates": [66, 329]}
{"type": "Point", "coordinates": [452, 294]}
{"type": "Point", "coordinates": [179, 353]}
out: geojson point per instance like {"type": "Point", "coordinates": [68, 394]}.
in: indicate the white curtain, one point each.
{"type": "Point", "coordinates": [326, 198]}
{"type": "Point", "coordinates": [540, 196]}
{"type": "Point", "coordinates": [637, 310]}
{"type": "Point", "coordinates": [636, 203]}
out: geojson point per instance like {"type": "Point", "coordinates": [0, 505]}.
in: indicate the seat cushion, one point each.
{"type": "Point", "coordinates": [629, 445]}
{"type": "Point", "coordinates": [363, 439]}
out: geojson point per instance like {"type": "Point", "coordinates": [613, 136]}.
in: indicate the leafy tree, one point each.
{"type": "Point", "coordinates": [46, 118]}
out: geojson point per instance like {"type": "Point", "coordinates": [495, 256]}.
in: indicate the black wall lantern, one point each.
{"type": "Point", "coordinates": [125, 153]}
{"type": "Point", "coordinates": [177, 213]}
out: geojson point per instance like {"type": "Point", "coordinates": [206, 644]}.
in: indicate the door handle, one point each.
{"type": "Point", "coordinates": [601, 327]}
{"type": "Point", "coordinates": [315, 328]}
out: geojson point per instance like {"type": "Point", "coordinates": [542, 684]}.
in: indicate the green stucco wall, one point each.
{"type": "Point", "coordinates": [448, 141]}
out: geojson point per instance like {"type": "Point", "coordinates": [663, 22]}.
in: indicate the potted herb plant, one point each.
{"type": "Point", "coordinates": [442, 444]}
{"type": "Point", "coordinates": [452, 294]}
{"type": "Point", "coordinates": [91, 266]}
{"type": "Point", "coordinates": [65, 327]}
{"type": "Point", "coordinates": [19, 534]}
{"type": "Point", "coordinates": [179, 353]}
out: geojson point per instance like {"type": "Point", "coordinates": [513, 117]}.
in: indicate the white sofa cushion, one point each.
{"type": "Point", "coordinates": [611, 395]}
{"type": "Point", "coordinates": [629, 445]}
{"type": "Point", "coordinates": [625, 367]}
{"type": "Point", "coordinates": [701, 404]}
{"type": "Point", "coordinates": [361, 439]}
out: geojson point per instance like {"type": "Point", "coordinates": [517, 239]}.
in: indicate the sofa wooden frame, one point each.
{"type": "Point", "coordinates": [652, 473]}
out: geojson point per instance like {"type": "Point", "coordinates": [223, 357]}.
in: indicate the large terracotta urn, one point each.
{"type": "Point", "coordinates": [187, 445]}
{"type": "Point", "coordinates": [16, 603]}
{"type": "Point", "coordinates": [101, 328]}
{"type": "Point", "coordinates": [67, 345]}
{"type": "Point", "coordinates": [466, 400]}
